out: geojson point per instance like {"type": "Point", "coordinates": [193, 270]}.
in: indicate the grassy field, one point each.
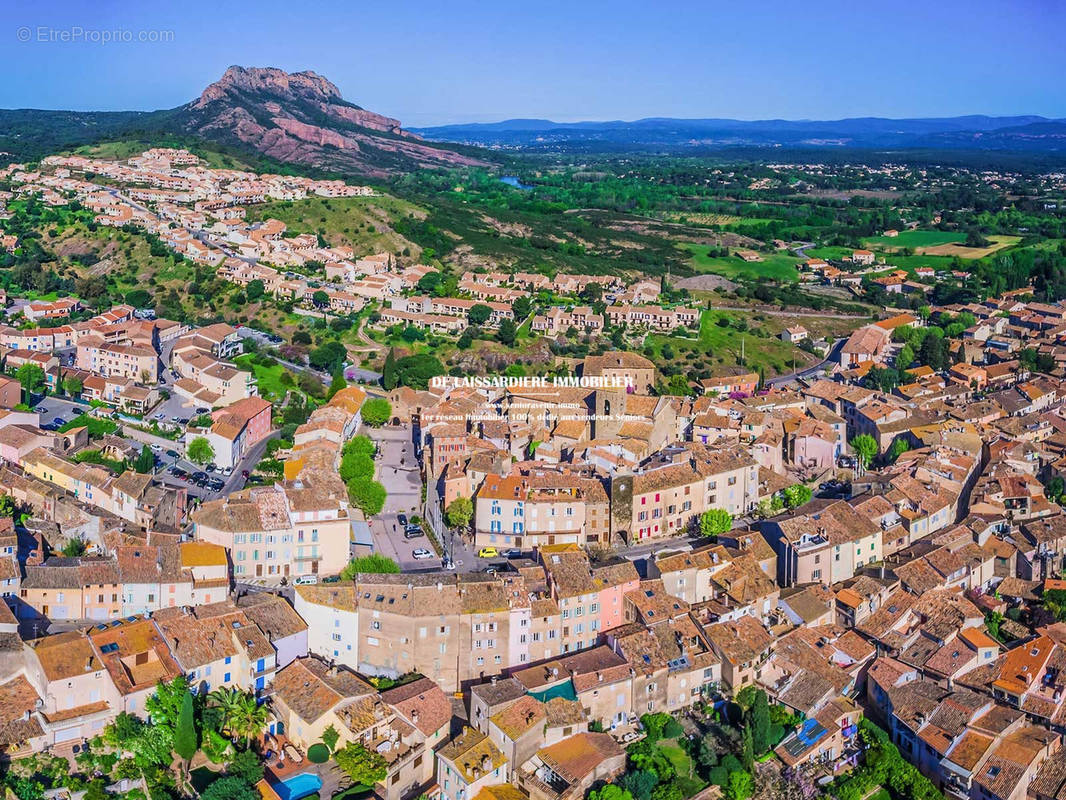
{"type": "Point", "coordinates": [363, 223]}
{"type": "Point", "coordinates": [913, 240]}
{"type": "Point", "coordinates": [720, 342]}
{"type": "Point", "coordinates": [269, 378]}
{"type": "Point", "coordinates": [775, 266]}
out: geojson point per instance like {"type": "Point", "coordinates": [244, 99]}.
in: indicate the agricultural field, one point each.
{"type": "Point", "coordinates": [696, 218]}
{"type": "Point", "coordinates": [913, 240]}
{"type": "Point", "coordinates": [938, 243]}
{"type": "Point", "coordinates": [997, 243]}
{"type": "Point", "coordinates": [775, 266]}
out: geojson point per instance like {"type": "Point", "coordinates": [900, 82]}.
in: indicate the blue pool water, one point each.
{"type": "Point", "coordinates": [512, 180]}
{"type": "Point", "coordinates": [299, 786]}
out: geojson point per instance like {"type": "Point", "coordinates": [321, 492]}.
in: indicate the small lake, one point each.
{"type": "Point", "coordinates": [512, 180]}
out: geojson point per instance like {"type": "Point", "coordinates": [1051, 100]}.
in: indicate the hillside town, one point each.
{"type": "Point", "coordinates": [561, 584]}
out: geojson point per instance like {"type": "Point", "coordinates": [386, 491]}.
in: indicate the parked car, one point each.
{"type": "Point", "coordinates": [488, 552]}
{"type": "Point", "coordinates": [57, 421]}
{"type": "Point", "coordinates": [227, 471]}
{"type": "Point", "coordinates": [210, 468]}
{"type": "Point", "coordinates": [421, 553]}
{"type": "Point", "coordinates": [306, 580]}
{"type": "Point", "coordinates": [514, 552]}
{"type": "Point", "coordinates": [203, 410]}
{"type": "Point", "coordinates": [160, 415]}
{"type": "Point", "coordinates": [402, 519]}
{"type": "Point", "coordinates": [413, 532]}
{"type": "Point", "coordinates": [173, 454]}
{"type": "Point", "coordinates": [156, 447]}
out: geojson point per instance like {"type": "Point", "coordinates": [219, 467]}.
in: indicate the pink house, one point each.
{"type": "Point", "coordinates": [617, 579]}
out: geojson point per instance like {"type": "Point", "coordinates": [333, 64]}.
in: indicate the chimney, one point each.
{"type": "Point", "coordinates": [486, 763]}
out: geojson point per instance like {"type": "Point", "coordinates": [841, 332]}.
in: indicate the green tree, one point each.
{"type": "Point", "coordinates": [375, 563]}
{"type": "Point", "coordinates": [185, 741]}
{"type": "Point", "coordinates": [31, 378]}
{"type": "Point", "coordinates": [610, 791]}
{"type": "Point", "coordinates": [865, 447]}
{"type": "Point", "coordinates": [254, 290]}
{"type": "Point", "coordinates": [740, 786]}
{"type": "Point", "coordinates": [521, 307]}
{"type": "Point", "coordinates": [715, 522]}
{"type": "Point", "coordinates": [796, 495]}
{"type": "Point", "coordinates": [200, 451]}
{"type": "Point", "coordinates": [145, 463]}
{"type": "Point", "coordinates": [330, 737]}
{"type": "Point", "coordinates": [388, 371]}
{"type": "Point", "coordinates": [361, 764]}
{"type": "Point", "coordinates": [507, 333]}
{"type": "Point", "coordinates": [231, 787]}
{"type": "Point", "coordinates": [898, 448]}
{"type": "Point", "coordinates": [478, 314]}
{"type": "Point", "coordinates": [246, 766]}
{"type": "Point", "coordinates": [760, 723]}
{"type": "Point", "coordinates": [139, 298]}
{"type": "Point", "coordinates": [356, 465]}
{"type": "Point", "coordinates": [320, 298]}
{"type": "Point", "coordinates": [72, 387]}
{"type": "Point", "coordinates": [330, 357]}
{"type": "Point", "coordinates": [360, 444]}
{"type": "Point", "coordinates": [376, 411]}
{"type": "Point", "coordinates": [241, 714]}
{"type": "Point", "coordinates": [747, 748]}
{"type": "Point", "coordinates": [73, 548]}
{"type": "Point", "coordinates": [459, 512]}
{"type": "Point", "coordinates": [336, 384]}
{"type": "Point", "coordinates": [164, 705]}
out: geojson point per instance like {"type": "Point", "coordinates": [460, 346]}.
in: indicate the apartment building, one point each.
{"type": "Point", "coordinates": [534, 509]}
{"type": "Point", "coordinates": [668, 494]}
{"type": "Point", "coordinates": [130, 361]}
{"type": "Point", "coordinates": [292, 528]}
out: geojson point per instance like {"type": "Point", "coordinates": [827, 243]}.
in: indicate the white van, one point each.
{"type": "Point", "coordinates": [306, 580]}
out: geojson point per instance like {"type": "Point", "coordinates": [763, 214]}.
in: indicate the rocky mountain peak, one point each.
{"type": "Point", "coordinates": [305, 85]}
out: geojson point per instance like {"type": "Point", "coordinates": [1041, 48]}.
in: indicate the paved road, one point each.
{"type": "Point", "coordinates": [809, 372]}
{"type": "Point", "coordinates": [398, 472]}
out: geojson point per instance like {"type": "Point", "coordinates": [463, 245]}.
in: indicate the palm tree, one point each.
{"type": "Point", "coordinates": [248, 719]}
{"type": "Point", "coordinates": [226, 701]}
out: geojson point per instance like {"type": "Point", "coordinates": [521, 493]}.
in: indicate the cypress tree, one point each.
{"type": "Point", "coordinates": [185, 743]}
{"type": "Point", "coordinates": [388, 372]}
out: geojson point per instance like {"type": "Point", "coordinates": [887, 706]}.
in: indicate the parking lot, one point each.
{"type": "Point", "coordinates": [55, 408]}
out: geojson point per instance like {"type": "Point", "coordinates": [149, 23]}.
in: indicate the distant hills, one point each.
{"type": "Point", "coordinates": [968, 132]}
{"type": "Point", "coordinates": [301, 119]}
{"type": "Point", "coordinates": [297, 118]}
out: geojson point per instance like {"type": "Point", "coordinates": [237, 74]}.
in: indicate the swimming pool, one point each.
{"type": "Point", "coordinates": [298, 786]}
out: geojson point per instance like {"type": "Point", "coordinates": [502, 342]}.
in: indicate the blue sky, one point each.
{"type": "Point", "coordinates": [464, 60]}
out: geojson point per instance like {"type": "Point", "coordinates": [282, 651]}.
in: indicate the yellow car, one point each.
{"type": "Point", "coordinates": [487, 552]}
